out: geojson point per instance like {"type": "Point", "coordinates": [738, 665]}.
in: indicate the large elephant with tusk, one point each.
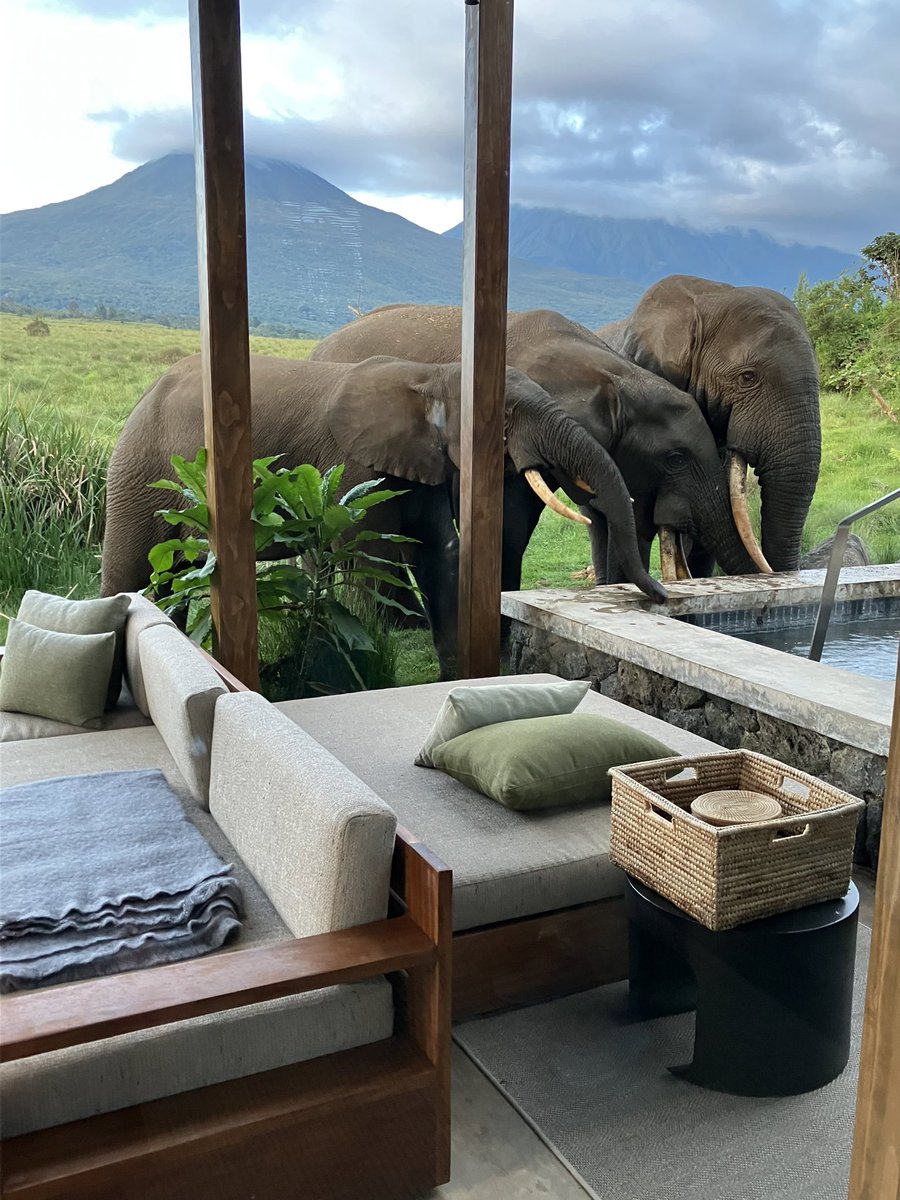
{"type": "Point", "coordinates": [382, 416]}
{"type": "Point", "coordinates": [655, 433]}
{"type": "Point", "coordinates": [745, 356]}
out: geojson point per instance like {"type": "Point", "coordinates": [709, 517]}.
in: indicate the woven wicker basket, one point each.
{"type": "Point", "coordinates": [728, 875]}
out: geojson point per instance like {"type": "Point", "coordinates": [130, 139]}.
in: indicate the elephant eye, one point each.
{"type": "Point", "coordinates": [676, 459]}
{"type": "Point", "coordinates": [748, 377]}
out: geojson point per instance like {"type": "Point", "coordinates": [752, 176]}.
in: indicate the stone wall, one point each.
{"type": "Point", "coordinates": [732, 725]}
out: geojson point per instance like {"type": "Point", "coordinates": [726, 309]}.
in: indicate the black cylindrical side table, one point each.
{"type": "Point", "coordinates": [773, 997]}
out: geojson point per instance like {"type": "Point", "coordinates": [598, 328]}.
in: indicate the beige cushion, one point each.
{"type": "Point", "coordinates": [317, 839]}
{"type": "Point", "coordinates": [142, 614]}
{"type": "Point", "coordinates": [67, 1085]}
{"type": "Point", "coordinates": [467, 708]}
{"type": "Point", "coordinates": [17, 726]}
{"type": "Point", "coordinates": [60, 676]}
{"type": "Point", "coordinates": [182, 690]}
{"type": "Point", "coordinates": [505, 864]}
{"type": "Point", "coordinates": [106, 615]}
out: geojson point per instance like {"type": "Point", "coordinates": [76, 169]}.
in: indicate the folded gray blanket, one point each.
{"type": "Point", "coordinates": [105, 873]}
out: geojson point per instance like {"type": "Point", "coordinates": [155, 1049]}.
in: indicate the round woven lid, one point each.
{"type": "Point", "coordinates": [735, 807]}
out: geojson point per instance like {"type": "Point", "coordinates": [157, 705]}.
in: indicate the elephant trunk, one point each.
{"type": "Point", "coordinates": [788, 471]}
{"type": "Point", "coordinates": [541, 434]}
{"type": "Point", "coordinates": [787, 493]}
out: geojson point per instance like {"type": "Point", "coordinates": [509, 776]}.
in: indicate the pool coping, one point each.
{"type": "Point", "coordinates": [617, 620]}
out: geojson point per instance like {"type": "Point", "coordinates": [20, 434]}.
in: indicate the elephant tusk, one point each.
{"type": "Point", "coordinates": [537, 485]}
{"type": "Point", "coordinates": [682, 569]}
{"type": "Point", "coordinates": [737, 486]}
{"type": "Point", "coordinates": [585, 487]}
{"type": "Point", "coordinates": [671, 555]}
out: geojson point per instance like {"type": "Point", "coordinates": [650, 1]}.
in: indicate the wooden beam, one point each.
{"type": "Point", "coordinates": [224, 327]}
{"type": "Point", "coordinates": [489, 30]}
{"type": "Point", "coordinates": [875, 1165]}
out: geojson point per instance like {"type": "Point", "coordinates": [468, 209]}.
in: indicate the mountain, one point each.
{"type": "Point", "coordinates": [312, 250]}
{"type": "Point", "coordinates": [646, 250]}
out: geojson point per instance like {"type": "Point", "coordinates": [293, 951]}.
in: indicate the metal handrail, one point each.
{"type": "Point", "coordinates": [829, 587]}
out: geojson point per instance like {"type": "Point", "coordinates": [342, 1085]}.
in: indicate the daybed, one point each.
{"type": "Point", "coordinates": [311, 1057]}
{"type": "Point", "coordinates": [537, 905]}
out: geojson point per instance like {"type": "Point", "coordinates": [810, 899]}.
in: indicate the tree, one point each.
{"type": "Point", "coordinates": [883, 254]}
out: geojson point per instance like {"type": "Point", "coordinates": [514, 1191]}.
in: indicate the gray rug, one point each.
{"type": "Point", "coordinates": [598, 1090]}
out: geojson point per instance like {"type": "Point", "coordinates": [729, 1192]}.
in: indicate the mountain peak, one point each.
{"type": "Point", "coordinates": [314, 254]}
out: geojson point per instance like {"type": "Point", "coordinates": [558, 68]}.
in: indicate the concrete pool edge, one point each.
{"type": "Point", "coordinates": [618, 622]}
{"type": "Point", "coordinates": [831, 722]}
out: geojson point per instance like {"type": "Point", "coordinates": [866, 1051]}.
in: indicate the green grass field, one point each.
{"type": "Point", "coordinates": [83, 379]}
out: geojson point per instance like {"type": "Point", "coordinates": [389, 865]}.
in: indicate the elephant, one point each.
{"type": "Point", "coordinates": [396, 419]}
{"type": "Point", "coordinates": [654, 432]}
{"type": "Point", "coordinates": [745, 356]}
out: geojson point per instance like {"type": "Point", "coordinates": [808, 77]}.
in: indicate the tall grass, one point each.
{"type": "Point", "coordinates": [52, 497]}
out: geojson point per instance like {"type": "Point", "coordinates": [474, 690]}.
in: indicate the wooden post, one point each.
{"type": "Point", "coordinates": [224, 327]}
{"type": "Point", "coordinates": [489, 29]}
{"type": "Point", "coordinates": [875, 1165]}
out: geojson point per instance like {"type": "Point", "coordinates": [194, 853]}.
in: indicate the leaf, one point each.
{"type": "Point", "coordinates": [361, 489]}
{"type": "Point", "coordinates": [306, 482]}
{"type": "Point", "coordinates": [168, 485]}
{"type": "Point", "coordinates": [367, 502]}
{"type": "Point", "coordinates": [163, 554]}
{"type": "Point", "coordinates": [192, 474]}
{"type": "Point", "coordinates": [331, 482]}
{"type": "Point", "coordinates": [386, 601]}
{"type": "Point", "coordinates": [335, 520]}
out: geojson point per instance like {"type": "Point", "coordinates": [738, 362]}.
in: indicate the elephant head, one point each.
{"type": "Point", "coordinates": [746, 358]}
{"type": "Point", "coordinates": [655, 434]}
{"type": "Point", "coordinates": [403, 419]}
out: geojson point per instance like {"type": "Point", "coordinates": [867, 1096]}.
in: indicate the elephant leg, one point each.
{"type": "Point", "coordinates": [701, 562]}
{"type": "Point", "coordinates": [598, 532]}
{"type": "Point", "coordinates": [521, 512]}
{"type": "Point", "coordinates": [434, 560]}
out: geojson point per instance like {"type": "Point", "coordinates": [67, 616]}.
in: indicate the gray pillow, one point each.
{"type": "Point", "coordinates": [60, 615]}
{"type": "Point", "coordinates": [62, 676]}
{"type": "Point", "coordinates": [468, 708]}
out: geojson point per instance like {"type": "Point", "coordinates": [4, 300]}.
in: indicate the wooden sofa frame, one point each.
{"type": "Point", "coordinates": [369, 1122]}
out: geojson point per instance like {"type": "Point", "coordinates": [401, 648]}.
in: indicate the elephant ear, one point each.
{"type": "Point", "coordinates": [665, 329]}
{"type": "Point", "coordinates": [398, 418]}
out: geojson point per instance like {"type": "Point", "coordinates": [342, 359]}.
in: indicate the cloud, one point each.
{"type": "Point", "coordinates": [780, 115]}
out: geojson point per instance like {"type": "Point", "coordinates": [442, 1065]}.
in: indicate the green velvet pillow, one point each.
{"type": "Point", "coordinates": [61, 676]}
{"type": "Point", "coordinates": [468, 708]}
{"type": "Point", "coordinates": [106, 615]}
{"type": "Point", "coordinates": [546, 762]}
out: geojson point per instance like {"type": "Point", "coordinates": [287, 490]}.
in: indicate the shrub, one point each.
{"type": "Point", "coordinates": [52, 496]}
{"type": "Point", "coordinates": [37, 328]}
{"type": "Point", "coordinates": [320, 627]}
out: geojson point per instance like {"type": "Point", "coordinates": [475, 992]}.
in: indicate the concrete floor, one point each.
{"type": "Point", "coordinates": [496, 1154]}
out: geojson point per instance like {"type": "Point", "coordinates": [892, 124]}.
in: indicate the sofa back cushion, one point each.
{"type": "Point", "coordinates": [181, 689]}
{"type": "Point", "coordinates": [142, 614]}
{"type": "Point", "coordinates": [318, 840]}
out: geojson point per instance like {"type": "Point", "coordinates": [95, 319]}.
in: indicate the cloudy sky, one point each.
{"type": "Point", "coordinates": [779, 115]}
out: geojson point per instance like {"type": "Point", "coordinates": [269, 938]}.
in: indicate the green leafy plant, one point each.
{"type": "Point", "coordinates": [317, 601]}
